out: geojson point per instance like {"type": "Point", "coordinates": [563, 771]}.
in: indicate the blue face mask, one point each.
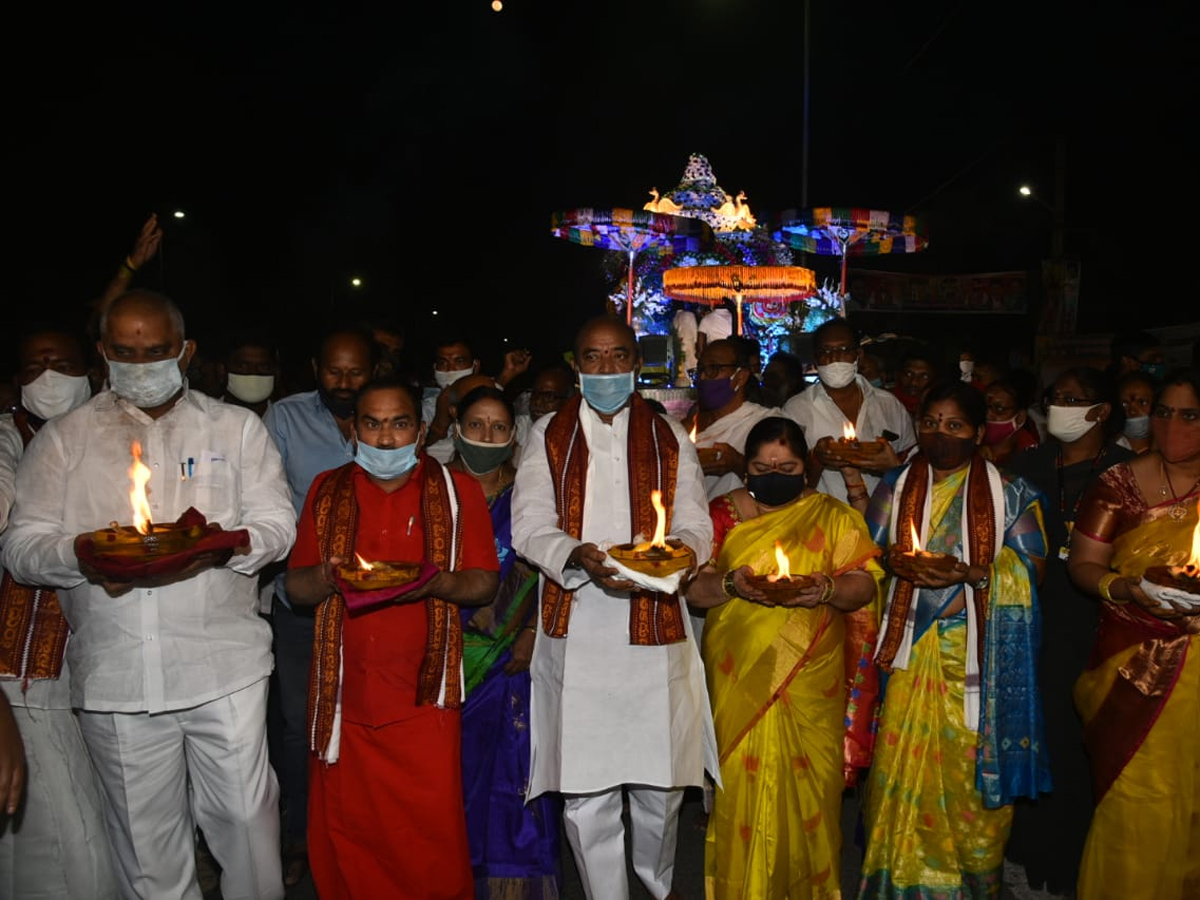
{"type": "Point", "coordinates": [1137, 427]}
{"type": "Point", "coordinates": [877, 382]}
{"type": "Point", "coordinates": [386, 464]}
{"type": "Point", "coordinates": [1157, 371]}
{"type": "Point", "coordinates": [606, 393]}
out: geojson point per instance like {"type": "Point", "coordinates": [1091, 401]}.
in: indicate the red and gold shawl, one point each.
{"type": "Point", "coordinates": [653, 454]}
{"type": "Point", "coordinates": [33, 631]}
{"type": "Point", "coordinates": [980, 538]}
{"type": "Point", "coordinates": [335, 509]}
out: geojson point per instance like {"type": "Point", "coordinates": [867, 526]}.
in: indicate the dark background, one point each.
{"type": "Point", "coordinates": [422, 148]}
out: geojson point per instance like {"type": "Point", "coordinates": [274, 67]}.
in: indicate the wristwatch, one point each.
{"type": "Point", "coordinates": [983, 582]}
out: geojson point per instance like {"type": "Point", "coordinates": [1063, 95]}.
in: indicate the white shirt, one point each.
{"type": "Point", "coordinates": [161, 648]}
{"type": "Point", "coordinates": [605, 712]}
{"type": "Point", "coordinates": [42, 693]}
{"type": "Point", "coordinates": [819, 417]}
{"type": "Point", "coordinates": [717, 325]}
{"type": "Point", "coordinates": [732, 430]}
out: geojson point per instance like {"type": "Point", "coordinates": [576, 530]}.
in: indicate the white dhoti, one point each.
{"type": "Point", "coordinates": [55, 846]}
{"type": "Point", "coordinates": [145, 762]}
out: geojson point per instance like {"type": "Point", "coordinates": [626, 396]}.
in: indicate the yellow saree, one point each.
{"type": "Point", "coordinates": [1140, 702]}
{"type": "Point", "coordinates": [777, 680]}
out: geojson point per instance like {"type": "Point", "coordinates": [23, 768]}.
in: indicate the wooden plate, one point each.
{"type": "Point", "coordinates": [383, 575]}
{"type": "Point", "coordinates": [655, 562]}
{"type": "Point", "coordinates": [126, 542]}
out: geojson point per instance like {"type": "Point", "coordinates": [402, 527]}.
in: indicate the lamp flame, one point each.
{"type": "Point", "coordinates": [785, 567]}
{"type": "Point", "coordinates": [848, 432]}
{"type": "Point", "coordinates": [140, 475]}
{"type": "Point", "coordinates": [692, 433]}
{"type": "Point", "coordinates": [363, 564]}
{"type": "Point", "coordinates": [916, 540]}
{"type": "Point", "coordinates": [1192, 567]}
{"type": "Point", "coordinates": [660, 528]}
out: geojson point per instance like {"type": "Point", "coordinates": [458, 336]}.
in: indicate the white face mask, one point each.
{"type": "Point", "coordinates": [837, 375]}
{"type": "Point", "coordinates": [250, 388]}
{"type": "Point", "coordinates": [445, 379]}
{"type": "Point", "coordinates": [966, 368]}
{"type": "Point", "coordinates": [1069, 423]}
{"type": "Point", "coordinates": [53, 393]}
{"type": "Point", "coordinates": [146, 385]}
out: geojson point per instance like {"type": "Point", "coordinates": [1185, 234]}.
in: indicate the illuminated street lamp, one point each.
{"type": "Point", "coordinates": [356, 282]}
{"type": "Point", "coordinates": [179, 214]}
{"type": "Point", "coordinates": [1026, 191]}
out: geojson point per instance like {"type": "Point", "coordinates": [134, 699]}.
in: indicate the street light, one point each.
{"type": "Point", "coordinates": [356, 282]}
{"type": "Point", "coordinates": [1026, 191]}
{"type": "Point", "coordinates": [179, 214]}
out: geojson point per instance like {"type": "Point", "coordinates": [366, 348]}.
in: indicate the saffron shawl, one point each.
{"type": "Point", "coordinates": [655, 619]}
{"type": "Point", "coordinates": [440, 683]}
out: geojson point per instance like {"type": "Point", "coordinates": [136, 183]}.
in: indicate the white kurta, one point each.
{"type": "Point", "coordinates": [732, 430]}
{"type": "Point", "coordinates": [605, 712]}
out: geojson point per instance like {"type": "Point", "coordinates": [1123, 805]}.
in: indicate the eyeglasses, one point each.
{"type": "Point", "coordinates": [1069, 400]}
{"type": "Point", "coordinates": [710, 371]}
{"type": "Point", "coordinates": [846, 351]}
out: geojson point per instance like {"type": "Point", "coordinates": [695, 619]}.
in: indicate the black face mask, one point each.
{"type": "Point", "coordinates": [340, 403]}
{"type": "Point", "coordinates": [775, 488]}
{"type": "Point", "coordinates": [946, 453]}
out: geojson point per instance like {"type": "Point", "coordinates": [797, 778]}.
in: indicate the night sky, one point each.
{"type": "Point", "coordinates": [422, 147]}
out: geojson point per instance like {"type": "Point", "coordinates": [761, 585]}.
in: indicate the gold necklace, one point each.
{"type": "Point", "coordinates": [1178, 511]}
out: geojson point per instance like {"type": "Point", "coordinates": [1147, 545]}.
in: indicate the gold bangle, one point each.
{"type": "Point", "coordinates": [728, 586]}
{"type": "Point", "coordinates": [1104, 587]}
{"type": "Point", "coordinates": [830, 588]}
{"type": "Point", "coordinates": [128, 264]}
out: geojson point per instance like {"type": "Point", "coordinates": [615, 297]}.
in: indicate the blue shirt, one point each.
{"type": "Point", "coordinates": [310, 443]}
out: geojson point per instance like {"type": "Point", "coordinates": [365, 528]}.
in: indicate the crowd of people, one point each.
{"type": "Point", "coordinates": [1023, 707]}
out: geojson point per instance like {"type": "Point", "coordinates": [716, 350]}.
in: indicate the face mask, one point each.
{"type": "Point", "coordinates": [250, 388]}
{"type": "Point", "coordinates": [877, 382]}
{"type": "Point", "coordinates": [53, 393]}
{"type": "Point", "coordinates": [480, 457]}
{"type": "Point", "coordinates": [1069, 423]}
{"type": "Point", "coordinates": [837, 375]}
{"type": "Point", "coordinates": [775, 488]}
{"type": "Point", "coordinates": [1157, 371]}
{"type": "Point", "coordinates": [1176, 441]}
{"type": "Point", "coordinates": [146, 385]}
{"type": "Point", "coordinates": [966, 368]}
{"type": "Point", "coordinates": [606, 393]}
{"type": "Point", "coordinates": [445, 379]}
{"type": "Point", "coordinates": [1137, 427]}
{"type": "Point", "coordinates": [946, 453]}
{"type": "Point", "coordinates": [385, 463]}
{"type": "Point", "coordinates": [715, 393]}
{"type": "Point", "coordinates": [995, 432]}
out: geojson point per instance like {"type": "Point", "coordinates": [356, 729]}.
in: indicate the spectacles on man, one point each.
{"type": "Point", "coordinates": [845, 351]}
{"type": "Point", "coordinates": [711, 371]}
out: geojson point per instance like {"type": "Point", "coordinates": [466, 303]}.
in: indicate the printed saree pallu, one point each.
{"type": "Point", "coordinates": [931, 831]}
{"type": "Point", "coordinates": [1140, 702]}
{"type": "Point", "coordinates": [778, 682]}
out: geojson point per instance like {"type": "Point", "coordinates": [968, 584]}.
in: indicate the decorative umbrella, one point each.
{"type": "Point", "coordinates": [845, 232]}
{"type": "Point", "coordinates": [716, 284]}
{"type": "Point", "coordinates": [631, 231]}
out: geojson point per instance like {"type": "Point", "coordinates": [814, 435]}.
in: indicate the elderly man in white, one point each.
{"type": "Point", "coordinates": [169, 674]}
{"type": "Point", "coordinates": [619, 703]}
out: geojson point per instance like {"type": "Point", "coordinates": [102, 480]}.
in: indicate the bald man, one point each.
{"type": "Point", "coordinates": [169, 674]}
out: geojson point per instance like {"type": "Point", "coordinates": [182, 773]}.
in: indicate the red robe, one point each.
{"type": "Point", "coordinates": [387, 819]}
